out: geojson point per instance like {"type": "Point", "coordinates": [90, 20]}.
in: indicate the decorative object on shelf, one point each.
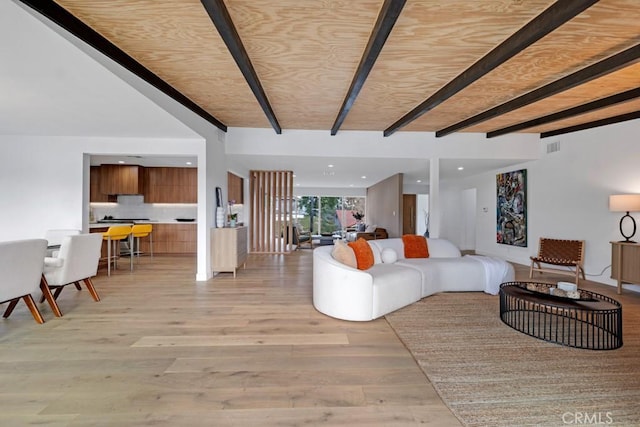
{"type": "Point", "coordinates": [218, 197]}
{"type": "Point", "coordinates": [359, 216]}
{"type": "Point", "coordinates": [511, 196]}
{"type": "Point", "coordinates": [426, 222]}
{"type": "Point", "coordinates": [625, 203]}
{"type": "Point", "coordinates": [232, 220]}
{"type": "Point", "coordinates": [220, 217]}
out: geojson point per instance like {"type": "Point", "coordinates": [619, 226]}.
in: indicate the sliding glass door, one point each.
{"type": "Point", "coordinates": [327, 214]}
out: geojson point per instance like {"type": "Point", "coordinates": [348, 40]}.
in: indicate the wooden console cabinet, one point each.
{"type": "Point", "coordinates": [625, 263]}
{"type": "Point", "coordinates": [229, 249]}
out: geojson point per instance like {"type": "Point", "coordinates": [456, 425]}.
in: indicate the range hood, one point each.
{"type": "Point", "coordinates": [130, 199]}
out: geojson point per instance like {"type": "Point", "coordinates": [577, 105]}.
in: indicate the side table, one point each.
{"type": "Point", "coordinates": [625, 263]}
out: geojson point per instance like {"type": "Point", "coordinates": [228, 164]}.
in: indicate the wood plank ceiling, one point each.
{"type": "Point", "coordinates": [305, 55]}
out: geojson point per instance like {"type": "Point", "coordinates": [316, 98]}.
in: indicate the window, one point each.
{"type": "Point", "coordinates": [327, 214]}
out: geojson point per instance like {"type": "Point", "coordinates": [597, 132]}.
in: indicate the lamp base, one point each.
{"type": "Point", "coordinates": [633, 222]}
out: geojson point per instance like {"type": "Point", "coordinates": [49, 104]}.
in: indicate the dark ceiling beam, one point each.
{"type": "Point", "coordinates": [550, 19]}
{"type": "Point", "coordinates": [222, 20]}
{"type": "Point", "coordinates": [386, 20]}
{"type": "Point", "coordinates": [594, 124]}
{"type": "Point", "coordinates": [571, 112]}
{"type": "Point", "coordinates": [66, 20]}
{"type": "Point", "coordinates": [606, 66]}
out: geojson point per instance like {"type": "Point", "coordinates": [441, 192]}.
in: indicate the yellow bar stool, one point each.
{"type": "Point", "coordinates": [113, 236]}
{"type": "Point", "coordinates": [142, 230]}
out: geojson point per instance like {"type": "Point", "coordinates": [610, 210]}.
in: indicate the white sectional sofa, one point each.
{"type": "Point", "coordinates": [347, 293]}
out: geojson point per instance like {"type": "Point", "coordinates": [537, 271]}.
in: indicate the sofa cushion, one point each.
{"type": "Point", "coordinates": [344, 254]}
{"type": "Point", "coordinates": [394, 286]}
{"type": "Point", "coordinates": [415, 246]}
{"type": "Point", "coordinates": [363, 252]}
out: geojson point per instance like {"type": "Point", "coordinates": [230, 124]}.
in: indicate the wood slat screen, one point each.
{"type": "Point", "coordinates": [271, 211]}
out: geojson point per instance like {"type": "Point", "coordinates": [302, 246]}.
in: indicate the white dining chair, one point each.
{"type": "Point", "coordinates": [21, 264]}
{"type": "Point", "coordinates": [77, 261]}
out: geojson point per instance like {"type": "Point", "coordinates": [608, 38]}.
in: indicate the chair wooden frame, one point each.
{"type": "Point", "coordinates": [565, 253]}
{"type": "Point", "coordinates": [298, 234]}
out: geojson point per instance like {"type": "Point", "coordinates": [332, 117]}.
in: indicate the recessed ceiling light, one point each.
{"type": "Point", "coordinates": [294, 175]}
{"type": "Point", "coordinates": [460, 168]}
{"type": "Point", "coordinates": [419, 180]}
{"type": "Point", "coordinates": [329, 166]}
{"type": "Point", "coordinates": [189, 163]}
{"type": "Point", "coordinates": [350, 185]}
{"type": "Point", "coordinates": [121, 161]}
{"type": "Point", "coordinates": [363, 177]}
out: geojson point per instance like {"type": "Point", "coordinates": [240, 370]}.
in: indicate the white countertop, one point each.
{"type": "Point", "coordinates": [109, 224]}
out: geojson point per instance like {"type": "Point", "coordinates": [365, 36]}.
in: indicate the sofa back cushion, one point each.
{"type": "Point", "coordinates": [441, 248]}
{"type": "Point", "coordinates": [415, 246]}
{"type": "Point", "coordinates": [438, 248]}
{"type": "Point", "coordinates": [364, 254]}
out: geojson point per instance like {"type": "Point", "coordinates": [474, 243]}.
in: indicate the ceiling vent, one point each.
{"type": "Point", "coordinates": [552, 147]}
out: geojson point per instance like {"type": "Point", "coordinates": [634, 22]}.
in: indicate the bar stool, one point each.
{"type": "Point", "coordinates": [142, 230]}
{"type": "Point", "coordinates": [114, 235]}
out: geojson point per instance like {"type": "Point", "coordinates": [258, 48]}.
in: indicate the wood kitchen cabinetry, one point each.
{"type": "Point", "coordinates": [228, 249]}
{"type": "Point", "coordinates": [235, 188]}
{"type": "Point", "coordinates": [171, 185]}
{"type": "Point", "coordinates": [172, 239]}
{"type": "Point", "coordinates": [625, 263]}
{"type": "Point", "coordinates": [121, 179]}
{"type": "Point", "coordinates": [95, 195]}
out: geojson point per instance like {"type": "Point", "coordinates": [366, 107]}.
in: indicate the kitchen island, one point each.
{"type": "Point", "coordinates": [169, 237]}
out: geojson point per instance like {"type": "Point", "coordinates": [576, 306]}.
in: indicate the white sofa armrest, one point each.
{"type": "Point", "coordinates": [341, 291]}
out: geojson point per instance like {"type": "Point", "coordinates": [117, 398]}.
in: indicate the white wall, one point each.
{"type": "Point", "coordinates": [568, 193]}
{"type": "Point", "coordinates": [43, 182]}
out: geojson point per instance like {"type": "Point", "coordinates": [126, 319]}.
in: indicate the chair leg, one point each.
{"type": "Point", "coordinates": [109, 257]}
{"type": "Point", "coordinates": [33, 308]}
{"type": "Point", "coordinates": [91, 289]}
{"type": "Point", "coordinates": [10, 307]}
{"type": "Point", "coordinates": [78, 286]}
{"type": "Point", "coordinates": [46, 293]}
{"type": "Point", "coordinates": [56, 294]}
{"type": "Point", "coordinates": [531, 270]}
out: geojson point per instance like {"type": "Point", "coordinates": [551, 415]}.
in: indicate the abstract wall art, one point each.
{"type": "Point", "coordinates": [511, 208]}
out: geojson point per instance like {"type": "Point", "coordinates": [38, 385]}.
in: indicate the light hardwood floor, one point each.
{"type": "Point", "coordinates": [162, 349]}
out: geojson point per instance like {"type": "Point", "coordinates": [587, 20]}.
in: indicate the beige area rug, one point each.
{"type": "Point", "coordinates": [491, 375]}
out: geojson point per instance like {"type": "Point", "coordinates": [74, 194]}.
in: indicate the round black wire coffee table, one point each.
{"type": "Point", "coordinates": [593, 321]}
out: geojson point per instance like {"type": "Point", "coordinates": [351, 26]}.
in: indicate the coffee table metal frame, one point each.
{"type": "Point", "coordinates": [595, 324]}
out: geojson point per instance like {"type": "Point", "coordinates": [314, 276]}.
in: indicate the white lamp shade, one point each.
{"type": "Point", "coordinates": [624, 203]}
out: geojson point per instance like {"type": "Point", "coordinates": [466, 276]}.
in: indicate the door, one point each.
{"type": "Point", "coordinates": [408, 214]}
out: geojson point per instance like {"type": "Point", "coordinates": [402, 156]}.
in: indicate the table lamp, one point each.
{"type": "Point", "coordinates": [625, 203]}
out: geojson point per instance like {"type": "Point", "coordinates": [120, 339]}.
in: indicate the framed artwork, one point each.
{"type": "Point", "coordinates": [511, 208]}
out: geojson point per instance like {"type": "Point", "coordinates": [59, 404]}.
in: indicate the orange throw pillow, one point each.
{"type": "Point", "coordinates": [415, 246]}
{"type": "Point", "coordinates": [364, 254]}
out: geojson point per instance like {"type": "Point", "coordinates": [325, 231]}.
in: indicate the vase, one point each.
{"type": "Point", "coordinates": [220, 217]}
{"type": "Point", "coordinates": [232, 223]}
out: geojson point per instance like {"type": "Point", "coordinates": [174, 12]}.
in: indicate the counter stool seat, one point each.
{"type": "Point", "coordinates": [113, 236]}
{"type": "Point", "coordinates": [142, 230]}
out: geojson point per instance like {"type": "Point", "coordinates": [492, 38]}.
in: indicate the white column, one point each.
{"type": "Point", "coordinates": [434, 197]}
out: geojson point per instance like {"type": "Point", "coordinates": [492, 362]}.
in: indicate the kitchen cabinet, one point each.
{"type": "Point", "coordinates": [95, 195]}
{"type": "Point", "coordinates": [235, 188]}
{"type": "Point", "coordinates": [171, 185]}
{"type": "Point", "coordinates": [176, 238]}
{"type": "Point", "coordinates": [121, 179]}
{"type": "Point", "coordinates": [228, 249]}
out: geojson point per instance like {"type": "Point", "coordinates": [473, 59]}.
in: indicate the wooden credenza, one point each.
{"type": "Point", "coordinates": [228, 249]}
{"type": "Point", "coordinates": [625, 263]}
